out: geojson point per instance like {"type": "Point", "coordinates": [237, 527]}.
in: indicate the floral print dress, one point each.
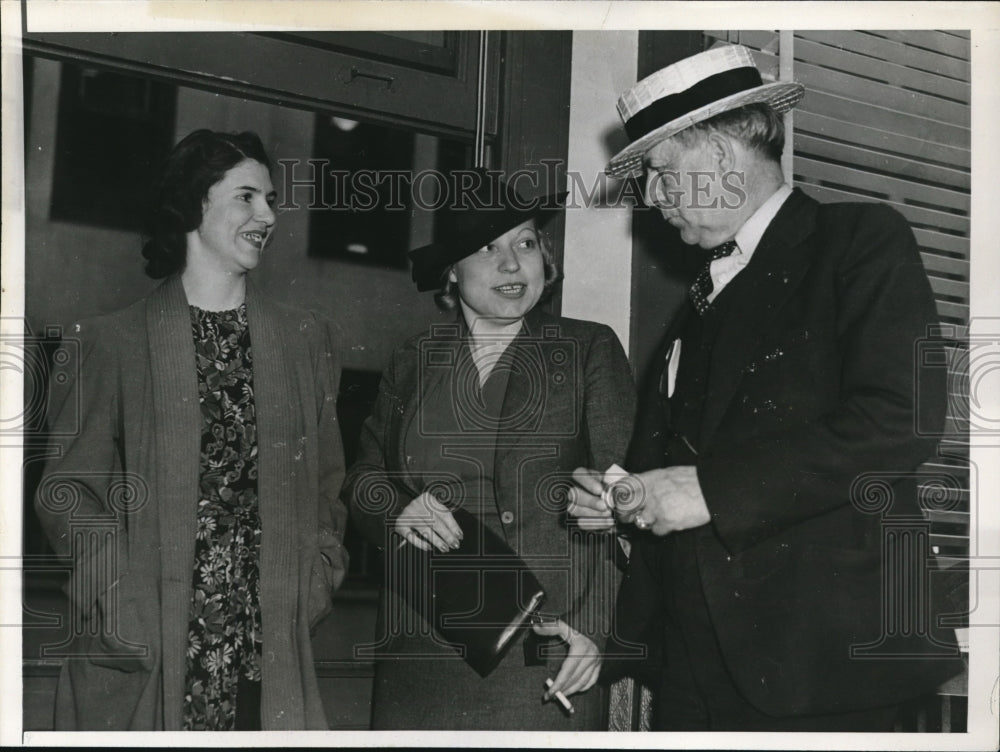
{"type": "Point", "coordinates": [224, 629]}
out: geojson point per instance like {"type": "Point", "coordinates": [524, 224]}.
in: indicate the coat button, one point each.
{"type": "Point", "coordinates": [507, 518]}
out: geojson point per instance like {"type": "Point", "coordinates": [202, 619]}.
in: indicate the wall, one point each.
{"type": "Point", "coordinates": [660, 259]}
{"type": "Point", "coordinates": [71, 270]}
{"type": "Point", "coordinates": [597, 259]}
{"type": "Point", "coordinates": [74, 271]}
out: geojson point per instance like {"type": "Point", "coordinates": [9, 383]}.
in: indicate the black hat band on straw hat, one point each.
{"type": "Point", "coordinates": [703, 93]}
{"type": "Point", "coordinates": [690, 91]}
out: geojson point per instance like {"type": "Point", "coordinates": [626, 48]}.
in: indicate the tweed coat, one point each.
{"type": "Point", "coordinates": [569, 402]}
{"type": "Point", "coordinates": [131, 421]}
{"type": "Point", "coordinates": [812, 405]}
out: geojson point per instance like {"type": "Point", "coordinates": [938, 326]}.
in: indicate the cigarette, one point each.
{"type": "Point", "coordinates": [561, 697]}
{"type": "Point", "coordinates": [611, 476]}
{"type": "Point", "coordinates": [615, 469]}
{"type": "Point", "coordinates": [404, 539]}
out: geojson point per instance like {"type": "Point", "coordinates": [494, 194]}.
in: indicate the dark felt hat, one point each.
{"type": "Point", "coordinates": [480, 207]}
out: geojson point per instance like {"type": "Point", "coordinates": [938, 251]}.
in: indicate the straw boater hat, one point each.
{"type": "Point", "coordinates": [487, 209]}
{"type": "Point", "coordinates": [690, 91]}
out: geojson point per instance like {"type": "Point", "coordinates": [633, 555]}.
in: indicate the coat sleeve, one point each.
{"type": "Point", "coordinates": [609, 400]}
{"type": "Point", "coordinates": [760, 487]}
{"type": "Point", "coordinates": [608, 417]}
{"type": "Point", "coordinates": [331, 512]}
{"type": "Point", "coordinates": [373, 494]}
{"type": "Point", "coordinates": [82, 479]}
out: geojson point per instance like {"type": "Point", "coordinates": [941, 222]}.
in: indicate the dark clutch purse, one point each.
{"type": "Point", "coordinates": [477, 597]}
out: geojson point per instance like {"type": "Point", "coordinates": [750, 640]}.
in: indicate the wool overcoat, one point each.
{"type": "Point", "coordinates": [569, 403]}
{"type": "Point", "coordinates": [120, 497]}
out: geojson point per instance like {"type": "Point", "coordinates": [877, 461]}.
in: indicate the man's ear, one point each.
{"type": "Point", "coordinates": [452, 277]}
{"type": "Point", "coordinates": [722, 150]}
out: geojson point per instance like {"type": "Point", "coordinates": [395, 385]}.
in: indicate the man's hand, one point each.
{"type": "Point", "coordinates": [585, 502]}
{"type": "Point", "coordinates": [669, 500]}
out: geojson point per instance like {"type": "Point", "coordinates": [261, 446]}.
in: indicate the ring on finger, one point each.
{"type": "Point", "coordinates": [640, 522]}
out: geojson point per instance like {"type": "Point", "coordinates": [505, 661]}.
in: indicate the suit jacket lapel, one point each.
{"type": "Point", "coordinates": [177, 417]}
{"type": "Point", "coordinates": [757, 295]}
{"type": "Point", "coordinates": [526, 398]}
{"type": "Point", "coordinates": [648, 444]}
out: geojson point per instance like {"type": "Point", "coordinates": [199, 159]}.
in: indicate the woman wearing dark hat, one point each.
{"type": "Point", "coordinates": [491, 415]}
{"type": "Point", "coordinates": [202, 430]}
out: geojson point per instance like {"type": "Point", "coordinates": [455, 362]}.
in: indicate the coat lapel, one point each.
{"type": "Point", "coordinates": [177, 417]}
{"type": "Point", "coordinates": [758, 295]}
{"type": "Point", "coordinates": [526, 398]}
{"type": "Point", "coordinates": [279, 438]}
{"type": "Point", "coordinates": [411, 392]}
{"type": "Point", "coordinates": [272, 394]}
{"type": "Point", "coordinates": [444, 344]}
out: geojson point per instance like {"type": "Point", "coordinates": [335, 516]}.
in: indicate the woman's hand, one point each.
{"type": "Point", "coordinates": [582, 664]}
{"type": "Point", "coordinates": [426, 522]}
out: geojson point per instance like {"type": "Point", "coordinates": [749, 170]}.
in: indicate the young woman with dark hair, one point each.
{"type": "Point", "coordinates": [213, 407]}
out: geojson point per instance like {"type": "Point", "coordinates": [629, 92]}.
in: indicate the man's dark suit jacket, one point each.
{"type": "Point", "coordinates": [811, 403]}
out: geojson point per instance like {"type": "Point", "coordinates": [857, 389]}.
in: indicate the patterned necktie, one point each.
{"type": "Point", "coordinates": [701, 288]}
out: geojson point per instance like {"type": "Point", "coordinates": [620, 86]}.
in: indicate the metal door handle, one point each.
{"type": "Point", "coordinates": [356, 73]}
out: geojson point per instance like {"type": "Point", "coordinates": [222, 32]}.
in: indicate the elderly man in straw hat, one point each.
{"type": "Point", "coordinates": [764, 578]}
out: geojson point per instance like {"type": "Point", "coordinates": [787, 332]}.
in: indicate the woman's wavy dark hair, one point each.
{"type": "Point", "coordinates": [447, 297]}
{"type": "Point", "coordinates": [198, 162]}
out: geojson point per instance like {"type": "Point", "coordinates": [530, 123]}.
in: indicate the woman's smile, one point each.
{"type": "Point", "coordinates": [511, 289]}
{"type": "Point", "coordinates": [256, 238]}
